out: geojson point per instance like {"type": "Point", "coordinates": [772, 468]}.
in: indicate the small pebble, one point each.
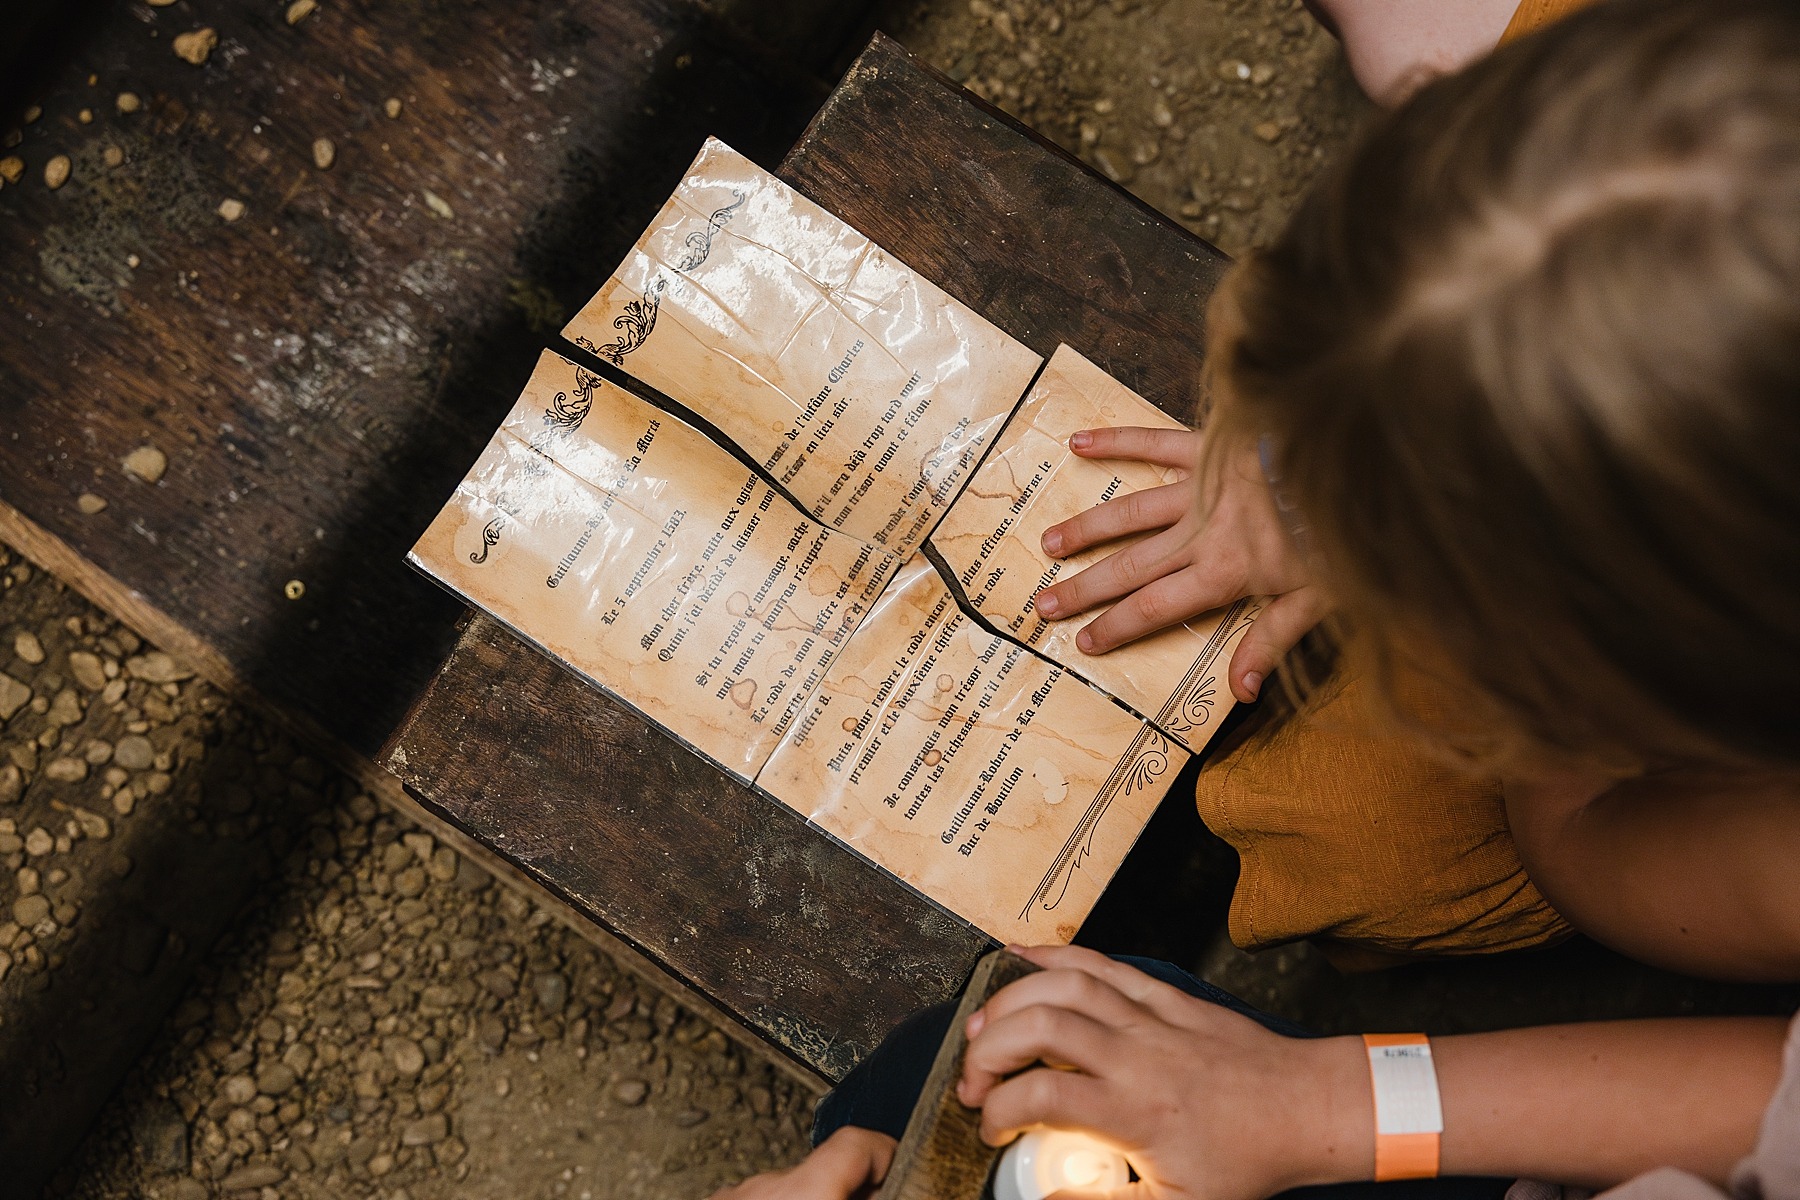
{"type": "Point", "coordinates": [438, 205]}
{"type": "Point", "coordinates": [258, 1175]}
{"type": "Point", "coordinates": [391, 108]}
{"type": "Point", "coordinates": [1268, 131]}
{"type": "Point", "coordinates": [324, 153]}
{"type": "Point", "coordinates": [90, 504]}
{"type": "Point", "coordinates": [134, 752]}
{"type": "Point", "coordinates": [156, 667]}
{"type": "Point", "coordinates": [426, 1131]}
{"type": "Point", "coordinates": [29, 910]}
{"type": "Point", "coordinates": [147, 462]}
{"type": "Point", "coordinates": [93, 825]}
{"type": "Point", "coordinates": [231, 208]}
{"type": "Point", "coordinates": [128, 102]}
{"type": "Point", "coordinates": [66, 770]}
{"type": "Point", "coordinates": [39, 842]}
{"type": "Point", "coordinates": [407, 1057]}
{"type": "Point", "coordinates": [85, 116]}
{"type": "Point", "coordinates": [276, 1079]}
{"type": "Point", "coordinates": [197, 46]}
{"type": "Point", "coordinates": [27, 647]}
{"type": "Point", "coordinates": [56, 172]}
{"type": "Point", "coordinates": [33, 113]}
{"type": "Point", "coordinates": [112, 156]}
{"type": "Point", "coordinates": [87, 670]}
{"type": "Point", "coordinates": [237, 1089]}
{"type": "Point", "coordinates": [631, 1092]}
{"type": "Point", "coordinates": [13, 696]}
{"type": "Point", "coordinates": [132, 260]}
{"type": "Point", "coordinates": [12, 167]}
{"type": "Point", "coordinates": [299, 10]}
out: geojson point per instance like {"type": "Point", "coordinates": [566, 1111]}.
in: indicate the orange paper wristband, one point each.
{"type": "Point", "coordinates": [1409, 1121]}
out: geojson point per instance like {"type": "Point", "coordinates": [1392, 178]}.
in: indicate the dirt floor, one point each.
{"type": "Point", "coordinates": [387, 1022]}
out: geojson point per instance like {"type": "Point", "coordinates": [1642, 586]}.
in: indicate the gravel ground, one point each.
{"type": "Point", "coordinates": [1217, 112]}
{"type": "Point", "coordinates": [385, 1021]}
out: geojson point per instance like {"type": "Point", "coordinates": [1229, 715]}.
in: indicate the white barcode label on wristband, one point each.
{"type": "Point", "coordinates": [1406, 1089]}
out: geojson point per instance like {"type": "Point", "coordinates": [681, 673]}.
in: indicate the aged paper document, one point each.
{"type": "Point", "coordinates": [650, 561]}
{"type": "Point", "coordinates": [993, 781]}
{"type": "Point", "coordinates": [861, 388]}
{"type": "Point", "coordinates": [1031, 481]}
{"type": "Point", "coordinates": [799, 531]}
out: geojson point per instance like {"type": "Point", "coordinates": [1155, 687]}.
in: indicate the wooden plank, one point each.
{"type": "Point", "coordinates": [517, 752]}
{"type": "Point", "coordinates": [941, 1155]}
{"type": "Point", "coordinates": [791, 933]}
{"type": "Point", "coordinates": [320, 371]}
{"type": "Point", "coordinates": [1010, 224]}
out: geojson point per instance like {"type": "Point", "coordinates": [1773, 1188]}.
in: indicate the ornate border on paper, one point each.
{"type": "Point", "coordinates": [639, 317]}
{"type": "Point", "coordinates": [1190, 705]}
{"type": "Point", "coordinates": [1145, 761]}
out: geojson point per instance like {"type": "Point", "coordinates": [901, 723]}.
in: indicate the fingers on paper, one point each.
{"type": "Point", "coordinates": [1164, 447]}
{"type": "Point", "coordinates": [1134, 512]}
{"type": "Point", "coordinates": [1277, 629]}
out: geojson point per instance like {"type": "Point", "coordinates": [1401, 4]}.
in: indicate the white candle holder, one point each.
{"type": "Point", "coordinates": [1043, 1162]}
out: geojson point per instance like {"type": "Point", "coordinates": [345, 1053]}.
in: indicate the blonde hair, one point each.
{"type": "Point", "coordinates": [1528, 364]}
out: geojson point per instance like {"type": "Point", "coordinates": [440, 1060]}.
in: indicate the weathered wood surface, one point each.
{"type": "Point", "coordinates": [322, 370]}
{"type": "Point", "coordinates": [727, 889]}
{"type": "Point", "coordinates": [792, 934]}
{"type": "Point", "coordinates": [941, 1155]}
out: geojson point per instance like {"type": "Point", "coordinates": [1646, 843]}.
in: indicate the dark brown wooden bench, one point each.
{"type": "Point", "coordinates": [321, 370]}
{"type": "Point", "coordinates": [791, 934]}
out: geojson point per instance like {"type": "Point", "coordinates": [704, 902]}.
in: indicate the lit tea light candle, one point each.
{"type": "Point", "coordinates": [1046, 1161]}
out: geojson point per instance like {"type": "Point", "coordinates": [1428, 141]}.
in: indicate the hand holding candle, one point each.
{"type": "Point", "coordinates": [1203, 1101]}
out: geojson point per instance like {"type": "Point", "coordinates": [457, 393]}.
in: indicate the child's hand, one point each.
{"type": "Point", "coordinates": [1204, 1102]}
{"type": "Point", "coordinates": [848, 1165]}
{"type": "Point", "coordinates": [1191, 563]}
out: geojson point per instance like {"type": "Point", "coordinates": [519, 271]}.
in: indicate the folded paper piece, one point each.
{"type": "Point", "coordinates": [991, 780]}
{"type": "Point", "coordinates": [860, 387]}
{"type": "Point", "coordinates": [787, 621]}
{"type": "Point", "coordinates": [1032, 480]}
{"type": "Point", "coordinates": [639, 553]}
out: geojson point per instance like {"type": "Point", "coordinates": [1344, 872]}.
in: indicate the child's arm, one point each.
{"type": "Point", "coordinates": [1688, 870]}
{"type": "Point", "coordinates": [1208, 1103]}
{"type": "Point", "coordinates": [1394, 46]}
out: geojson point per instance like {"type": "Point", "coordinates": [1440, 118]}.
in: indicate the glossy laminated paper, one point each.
{"type": "Point", "coordinates": [991, 540]}
{"type": "Point", "coordinates": [782, 620]}
{"type": "Point", "coordinates": [860, 387]}
{"type": "Point", "coordinates": [650, 561]}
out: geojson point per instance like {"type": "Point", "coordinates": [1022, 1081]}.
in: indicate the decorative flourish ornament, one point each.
{"type": "Point", "coordinates": [639, 317]}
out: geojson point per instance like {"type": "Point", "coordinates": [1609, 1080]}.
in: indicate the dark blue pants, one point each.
{"type": "Point", "coordinates": [880, 1093]}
